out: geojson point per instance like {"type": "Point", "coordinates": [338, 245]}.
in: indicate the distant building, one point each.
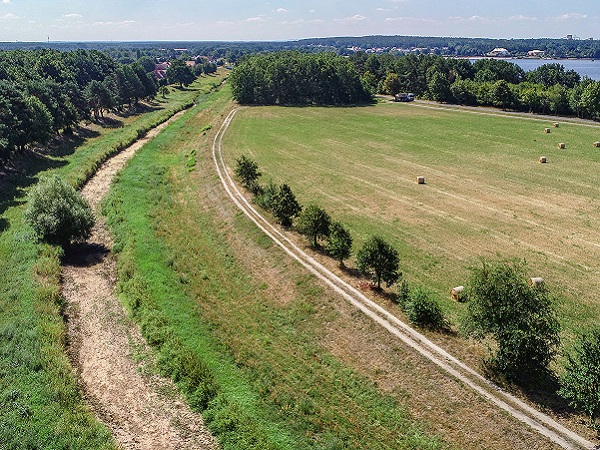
{"type": "Point", "coordinates": [498, 52]}
{"type": "Point", "coordinates": [160, 70]}
{"type": "Point", "coordinates": [536, 53]}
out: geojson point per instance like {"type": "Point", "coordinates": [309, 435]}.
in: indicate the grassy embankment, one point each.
{"type": "Point", "coordinates": [40, 406]}
{"type": "Point", "coordinates": [486, 194]}
{"type": "Point", "coordinates": [221, 331]}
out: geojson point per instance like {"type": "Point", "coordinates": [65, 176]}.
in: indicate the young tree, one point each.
{"type": "Point", "coordinates": [314, 222]}
{"type": "Point", "coordinates": [519, 317]}
{"type": "Point", "coordinates": [285, 206]}
{"type": "Point", "coordinates": [339, 242]}
{"type": "Point", "coordinates": [247, 171]}
{"type": "Point", "coordinates": [580, 384]}
{"type": "Point", "coordinates": [379, 260]}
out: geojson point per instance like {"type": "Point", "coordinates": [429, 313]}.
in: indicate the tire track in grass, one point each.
{"type": "Point", "coordinates": [537, 420]}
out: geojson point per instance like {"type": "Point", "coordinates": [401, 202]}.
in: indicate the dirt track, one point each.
{"type": "Point", "coordinates": [143, 411]}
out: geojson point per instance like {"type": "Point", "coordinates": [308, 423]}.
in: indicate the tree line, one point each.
{"type": "Point", "coordinates": [291, 77]}
{"type": "Point", "coordinates": [47, 92]}
{"type": "Point", "coordinates": [549, 89]}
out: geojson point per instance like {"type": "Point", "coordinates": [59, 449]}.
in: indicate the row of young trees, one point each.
{"type": "Point", "coordinates": [504, 307]}
{"type": "Point", "coordinates": [291, 77]}
{"type": "Point", "coordinates": [44, 92]}
{"type": "Point", "coordinates": [486, 82]}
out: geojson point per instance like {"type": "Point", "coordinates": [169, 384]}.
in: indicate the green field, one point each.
{"type": "Point", "coordinates": [486, 194]}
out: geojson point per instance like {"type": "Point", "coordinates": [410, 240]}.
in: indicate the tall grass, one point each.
{"type": "Point", "coordinates": [40, 404]}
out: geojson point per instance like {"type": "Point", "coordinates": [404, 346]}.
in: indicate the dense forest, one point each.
{"type": "Point", "coordinates": [47, 92]}
{"type": "Point", "coordinates": [297, 78]}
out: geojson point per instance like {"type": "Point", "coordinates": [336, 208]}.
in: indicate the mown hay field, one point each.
{"type": "Point", "coordinates": [485, 193]}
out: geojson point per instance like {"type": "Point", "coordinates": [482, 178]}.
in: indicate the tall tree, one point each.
{"type": "Point", "coordinates": [179, 73]}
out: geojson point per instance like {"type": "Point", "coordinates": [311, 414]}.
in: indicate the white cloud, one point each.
{"type": "Point", "coordinates": [281, 10]}
{"type": "Point", "coordinates": [521, 18]}
{"type": "Point", "coordinates": [5, 1]}
{"type": "Point", "coordinates": [357, 18]}
{"type": "Point", "coordinates": [411, 19]}
{"type": "Point", "coordinates": [72, 16]}
{"type": "Point", "coordinates": [9, 16]}
{"type": "Point", "coordinates": [302, 21]}
{"type": "Point", "coordinates": [570, 16]}
{"type": "Point", "coordinates": [123, 23]}
{"type": "Point", "coordinates": [255, 19]}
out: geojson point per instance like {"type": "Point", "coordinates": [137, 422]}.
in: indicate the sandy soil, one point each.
{"type": "Point", "coordinates": [142, 410]}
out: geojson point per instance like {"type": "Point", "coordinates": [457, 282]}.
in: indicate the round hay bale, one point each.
{"type": "Point", "coordinates": [420, 180]}
{"type": "Point", "coordinates": [546, 130]}
{"type": "Point", "coordinates": [597, 144]}
{"type": "Point", "coordinates": [536, 281]}
{"type": "Point", "coordinates": [458, 294]}
{"type": "Point", "coordinates": [561, 145]}
{"type": "Point", "coordinates": [555, 124]}
{"type": "Point", "coordinates": [543, 159]}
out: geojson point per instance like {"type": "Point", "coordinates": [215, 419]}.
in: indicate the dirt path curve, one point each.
{"type": "Point", "coordinates": [141, 410]}
{"type": "Point", "coordinates": [538, 421]}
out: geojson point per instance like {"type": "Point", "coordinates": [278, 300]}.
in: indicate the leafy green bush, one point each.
{"type": "Point", "coordinates": [403, 296]}
{"type": "Point", "coordinates": [519, 317]}
{"type": "Point", "coordinates": [580, 384]}
{"type": "Point", "coordinates": [424, 311]}
{"type": "Point", "coordinates": [58, 213]}
{"type": "Point", "coordinates": [266, 196]}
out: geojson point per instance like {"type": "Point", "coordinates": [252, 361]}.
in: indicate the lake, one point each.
{"type": "Point", "coordinates": [584, 67]}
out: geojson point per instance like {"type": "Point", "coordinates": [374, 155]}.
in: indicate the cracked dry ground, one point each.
{"type": "Point", "coordinates": [143, 411]}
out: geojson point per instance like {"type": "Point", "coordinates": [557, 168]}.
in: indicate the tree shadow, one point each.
{"type": "Point", "coordinates": [540, 390]}
{"type": "Point", "coordinates": [85, 254]}
{"type": "Point", "coordinates": [20, 173]}
{"type": "Point", "coordinates": [4, 224]}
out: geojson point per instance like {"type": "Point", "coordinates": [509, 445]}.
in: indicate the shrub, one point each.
{"type": "Point", "coordinates": [520, 318]}
{"type": "Point", "coordinates": [424, 311]}
{"type": "Point", "coordinates": [580, 384]}
{"type": "Point", "coordinates": [58, 213]}
{"type": "Point", "coordinates": [266, 195]}
{"type": "Point", "coordinates": [403, 294]}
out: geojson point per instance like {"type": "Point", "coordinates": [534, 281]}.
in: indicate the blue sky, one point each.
{"type": "Point", "coordinates": [77, 20]}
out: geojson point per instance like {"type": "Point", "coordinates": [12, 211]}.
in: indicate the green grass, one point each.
{"type": "Point", "coordinates": [486, 194]}
{"type": "Point", "coordinates": [40, 405]}
{"type": "Point", "coordinates": [275, 386]}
